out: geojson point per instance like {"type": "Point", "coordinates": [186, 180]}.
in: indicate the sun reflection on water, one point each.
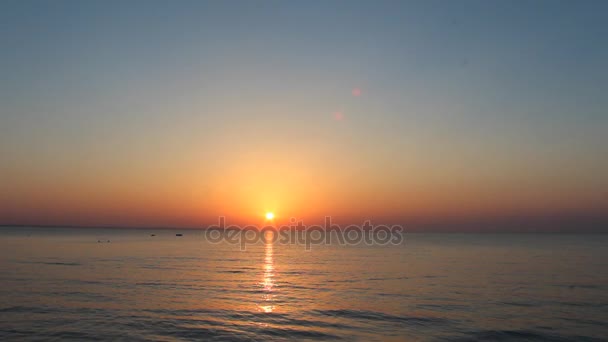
{"type": "Point", "coordinates": [268, 278]}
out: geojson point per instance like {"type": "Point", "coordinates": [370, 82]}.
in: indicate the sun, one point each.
{"type": "Point", "coordinates": [269, 215]}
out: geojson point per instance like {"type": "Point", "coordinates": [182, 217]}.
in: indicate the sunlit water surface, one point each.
{"type": "Point", "coordinates": [64, 284]}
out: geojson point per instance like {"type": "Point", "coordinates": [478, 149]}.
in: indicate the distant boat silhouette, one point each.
{"type": "Point", "coordinates": [179, 234]}
{"type": "Point", "coordinates": [152, 234]}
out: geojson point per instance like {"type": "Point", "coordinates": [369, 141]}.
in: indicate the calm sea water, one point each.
{"type": "Point", "coordinates": [64, 284]}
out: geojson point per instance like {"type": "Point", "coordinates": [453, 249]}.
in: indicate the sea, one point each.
{"type": "Point", "coordinates": [151, 285]}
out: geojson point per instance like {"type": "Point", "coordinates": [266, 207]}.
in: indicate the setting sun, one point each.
{"type": "Point", "coordinates": [269, 216]}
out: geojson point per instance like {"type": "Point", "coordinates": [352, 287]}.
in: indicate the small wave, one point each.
{"type": "Point", "coordinates": [522, 304]}
{"type": "Point", "coordinates": [380, 317]}
{"type": "Point", "coordinates": [51, 263]}
{"type": "Point", "coordinates": [295, 286]}
{"type": "Point", "coordinates": [85, 282]}
{"type": "Point", "coordinates": [50, 310]}
{"type": "Point", "coordinates": [591, 322]}
{"type": "Point", "coordinates": [14, 309]}
{"type": "Point", "coordinates": [77, 335]}
{"type": "Point", "coordinates": [397, 295]}
{"type": "Point", "coordinates": [445, 307]}
{"type": "Point", "coordinates": [587, 305]}
{"type": "Point", "coordinates": [229, 325]}
{"type": "Point", "coordinates": [162, 330]}
{"type": "Point", "coordinates": [518, 335]}
{"type": "Point", "coordinates": [388, 278]}
{"type": "Point", "coordinates": [580, 286]}
{"type": "Point", "coordinates": [295, 333]}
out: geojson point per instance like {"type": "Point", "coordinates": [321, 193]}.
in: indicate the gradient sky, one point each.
{"type": "Point", "coordinates": [477, 115]}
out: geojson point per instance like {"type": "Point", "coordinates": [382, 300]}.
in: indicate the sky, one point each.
{"type": "Point", "coordinates": [440, 115]}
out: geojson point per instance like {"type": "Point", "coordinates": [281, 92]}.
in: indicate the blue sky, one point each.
{"type": "Point", "coordinates": [486, 97]}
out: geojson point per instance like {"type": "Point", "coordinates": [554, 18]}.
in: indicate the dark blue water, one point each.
{"type": "Point", "coordinates": [62, 284]}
